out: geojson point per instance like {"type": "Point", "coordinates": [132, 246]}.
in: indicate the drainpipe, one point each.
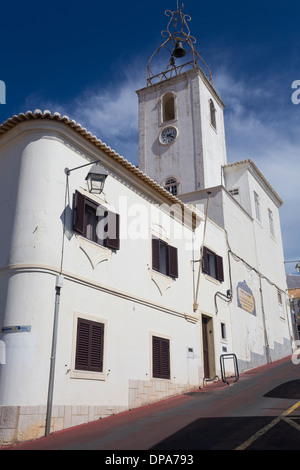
{"type": "Point", "coordinates": [58, 286]}
{"type": "Point", "coordinates": [195, 306]}
{"type": "Point", "coordinates": [264, 322]}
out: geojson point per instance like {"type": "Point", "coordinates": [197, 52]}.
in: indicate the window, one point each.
{"type": "Point", "coordinates": [212, 114]}
{"type": "Point", "coordinates": [234, 191]}
{"type": "Point", "coordinates": [89, 345]}
{"type": "Point", "coordinates": [212, 264]}
{"type": "Point", "coordinates": [223, 331]}
{"type": "Point", "coordinates": [172, 186]}
{"type": "Point", "coordinates": [160, 358]}
{"type": "Point", "coordinates": [271, 222]}
{"type": "Point", "coordinates": [257, 206]}
{"type": "Point", "coordinates": [164, 258]}
{"type": "Point", "coordinates": [280, 304]}
{"type": "Point", "coordinates": [95, 222]}
{"type": "Point", "coordinates": [168, 107]}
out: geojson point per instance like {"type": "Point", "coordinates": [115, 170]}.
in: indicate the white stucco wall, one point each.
{"type": "Point", "coordinates": [119, 289]}
{"type": "Point", "coordinates": [259, 263]}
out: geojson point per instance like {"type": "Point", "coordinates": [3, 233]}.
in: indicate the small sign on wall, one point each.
{"type": "Point", "coordinates": [190, 353]}
{"type": "Point", "coordinates": [245, 298]}
{"type": "Point", "coordinates": [16, 329]}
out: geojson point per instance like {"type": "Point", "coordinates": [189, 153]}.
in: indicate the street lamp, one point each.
{"type": "Point", "coordinates": [96, 178]}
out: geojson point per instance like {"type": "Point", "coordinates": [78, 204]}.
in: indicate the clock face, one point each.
{"type": "Point", "coordinates": [168, 135]}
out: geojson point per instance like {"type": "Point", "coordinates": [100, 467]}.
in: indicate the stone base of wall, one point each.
{"type": "Point", "coordinates": [143, 392]}
{"type": "Point", "coordinates": [25, 423]}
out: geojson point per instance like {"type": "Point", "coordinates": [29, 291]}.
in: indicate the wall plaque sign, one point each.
{"type": "Point", "coordinates": [245, 298]}
{"type": "Point", "coordinates": [16, 329]}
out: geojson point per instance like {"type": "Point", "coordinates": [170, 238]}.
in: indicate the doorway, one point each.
{"type": "Point", "coordinates": [208, 348]}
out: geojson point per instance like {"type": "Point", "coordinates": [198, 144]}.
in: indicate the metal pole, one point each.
{"type": "Point", "coordinates": [264, 323]}
{"type": "Point", "coordinates": [68, 170]}
{"type": "Point", "coordinates": [59, 283]}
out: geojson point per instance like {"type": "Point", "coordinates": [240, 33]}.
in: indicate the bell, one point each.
{"type": "Point", "coordinates": [178, 50]}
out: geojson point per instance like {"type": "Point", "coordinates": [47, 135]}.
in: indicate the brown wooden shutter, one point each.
{"type": "Point", "coordinates": [205, 260]}
{"type": "Point", "coordinates": [172, 261]}
{"type": "Point", "coordinates": [79, 211]}
{"type": "Point", "coordinates": [96, 347]}
{"type": "Point", "coordinates": [112, 229]}
{"type": "Point", "coordinates": [219, 266]}
{"type": "Point", "coordinates": [160, 358]}
{"type": "Point", "coordinates": [89, 345]}
{"type": "Point", "coordinates": [155, 254]}
{"type": "Point", "coordinates": [165, 359]}
{"type": "Point", "coordinates": [82, 345]}
{"type": "Point", "coordinates": [156, 356]}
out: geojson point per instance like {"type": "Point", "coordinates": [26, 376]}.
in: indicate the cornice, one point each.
{"type": "Point", "coordinates": [76, 279]}
{"type": "Point", "coordinates": [180, 78]}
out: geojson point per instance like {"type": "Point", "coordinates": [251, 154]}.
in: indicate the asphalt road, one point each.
{"type": "Point", "coordinates": [259, 412]}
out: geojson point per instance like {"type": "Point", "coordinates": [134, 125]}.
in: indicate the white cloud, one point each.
{"type": "Point", "coordinates": [111, 111]}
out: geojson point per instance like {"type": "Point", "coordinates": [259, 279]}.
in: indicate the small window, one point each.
{"type": "Point", "coordinates": [280, 304]}
{"type": "Point", "coordinates": [223, 331]}
{"type": "Point", "coordinates": [164, 258]}
{"type": "Point", "coordinates": [212, 114]}
{"type": "Point", "coordinates": [234, 191]}
{"type": "Point", "coordinates": [172, 186]}
{"type": "Point", "coordinates": [168, 107]}
{"type": "Point", "coordinates": [89, 345]}
{"type": "Point", "coordinates": [212, 264]}
{"type": "Point", "coordinates": [271, 222]}
{"type": "Point", "coordinates": [160, 358]}
{"type": "Point", "coordinates": [96, 223]}
{"type": "Point", "coordinates": [257, 206]}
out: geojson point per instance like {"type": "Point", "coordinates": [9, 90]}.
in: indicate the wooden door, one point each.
{"type": "Point", "coordinates": [205, 347]}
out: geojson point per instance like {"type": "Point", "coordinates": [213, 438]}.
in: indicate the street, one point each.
{"type": "Point", "coordinates": [259, 412]}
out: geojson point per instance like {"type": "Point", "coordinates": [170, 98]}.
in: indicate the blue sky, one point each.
{"type": "Point", "coordinates": [87, 59]}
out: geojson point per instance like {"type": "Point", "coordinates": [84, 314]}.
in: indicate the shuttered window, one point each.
{"type": "Point", "coordinates": [164, 258]}
{"type": "Point", "coordinates": [96, 223]}
{"type": "Point", "coordinates": [212, 114]}
{"type": "Point", "coordinates": [160, 358]}
{"type": "Point", "coordinates": [89, 345]}
{"type": "Point", "coordinates": [212, 264]}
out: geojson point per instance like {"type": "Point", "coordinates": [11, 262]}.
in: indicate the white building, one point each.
{"type": "Point", "coordinates": [145, 285]}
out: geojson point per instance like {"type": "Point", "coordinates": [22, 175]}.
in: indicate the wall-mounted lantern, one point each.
{"type": "Point", "coordinates": [96, 178]}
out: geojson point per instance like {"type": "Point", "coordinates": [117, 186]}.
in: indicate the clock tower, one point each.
{"type": "Point", "coordinates": [181, 125]}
